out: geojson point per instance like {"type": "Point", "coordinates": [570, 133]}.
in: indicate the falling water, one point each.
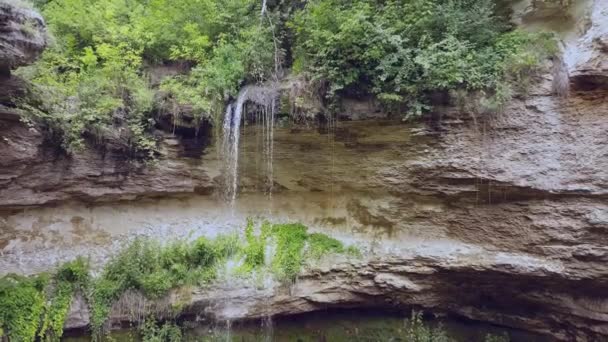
{"type": "Point", "coordinates": [265, 98]}
{"type": "Point", "coordinates": [228, 330]}
{"type": "Point", "coordinates": [230, 145]}
{"type": "Point", "coordinates": [268, 328]}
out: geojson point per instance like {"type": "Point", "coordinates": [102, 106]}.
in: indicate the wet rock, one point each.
{"type": "Point", "coordinates": [29, 171]}
{"type": "Point", "coordinates": [461, 284]}
{"type": "Point", "coordinates": [78, 316]}
{"type": "Point", "coordinates": [542, 9]}
{"type": "Point", "coordinates": [360, 109]}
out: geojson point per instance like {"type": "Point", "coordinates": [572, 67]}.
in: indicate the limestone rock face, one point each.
{"type": "Point", "coordinates": [590, 67]}
{"type": "Point", "coordinates": [33, 172]}
{"type": "Point", "coordinates": [465, 283]}
{"type": "Point", "coordinates": [501, 218]}
{"type": "Point", "coordinates": [22, 35]}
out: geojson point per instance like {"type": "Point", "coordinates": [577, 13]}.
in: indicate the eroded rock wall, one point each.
{"type": "Point", "coordinates": [22, 35]}
{"type": "Point", "coordinates": [502, 218]}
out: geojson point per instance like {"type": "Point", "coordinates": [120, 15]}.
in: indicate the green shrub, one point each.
{"type": "Point", "coordinates": [255, 246]}
{"type": "Point", "coordinates": [154, 269]}
{"type": "Point", "coordinates": [56, 311]}
{"type": "Point", "coordinates": [417, 331]}
{"type": "Point", "coordinates": [91, 82]}
{"type": "Point", "coordinates": [152, 332]}
{"type": "Point", "coordinates": [406, 51]}
{"type": "Point", "coordinates": [38, 306]}
{"type": "Point", "coordinates": [22, 303]}
{"type": "Point", "coordinates": [74, 272]}
{"type": "Point", "coordinates": [203, 252]}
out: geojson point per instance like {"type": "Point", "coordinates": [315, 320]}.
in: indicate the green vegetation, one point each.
{"type": "Point", "coordinates": [417, 331]}
{"type": "Point", "coordinates": [321, 244]}
{"type": "Point", "coordinates": [289, 257]}
{"type": "Point", "coordinates": [92, 81]}
{"type": "Point", "coordinates": [152, 332]}
{"type": "Point", "coordinates": [292, 247]}
{"type": "Point", "coordinates": [22, 303]}
{"type": "Point", "coordinates": [406, 51]}
{"type": "Point", "coordinates": [92, 85]}
{"type": "Point", "coordinates": [340, 327]}
{"type": "Point", "coordinates": [153, 270]}
{"type": "Point", "coordinates": [37, 306]}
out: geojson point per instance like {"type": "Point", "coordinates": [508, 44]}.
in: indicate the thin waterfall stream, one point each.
{"type": "Point", "coordinates": [265, 99]}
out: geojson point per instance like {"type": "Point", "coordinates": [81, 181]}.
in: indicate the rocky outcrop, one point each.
{"type": "Point", "coordinates": [590, 67]}
{"type": "Point", "coordinates": [23, 35]}
{"type": "Point", "coordinates": [34, 172]}
{"type": "Point", "coordinates": [535, 293]}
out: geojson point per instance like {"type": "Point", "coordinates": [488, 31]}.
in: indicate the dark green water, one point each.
{"type": "Point", "coordinates": [338, 326]}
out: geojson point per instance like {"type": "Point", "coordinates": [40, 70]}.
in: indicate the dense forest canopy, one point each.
{"type": "Point", "coordinates": [93, 81]}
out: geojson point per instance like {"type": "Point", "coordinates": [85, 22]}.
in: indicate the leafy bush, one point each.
{"type": "Point", "coordinates": [38, 305]}
{"type": "Point", "coordinates": [291, 246]}
{"type": "Point", "coordinates": [404, 51]}
{"type": "Point", "coordinates": [255, 248]}
{"type": "Point", "coordinates": [22, 304]}
{"type": "Point", "coordinates": [417, 331]}
{"type": "Point", "coordinates": [152, 332]}
{"type": "Point", "coordinates": [92, 83]}
{"type": "Point", "coordinates": [153, 269]}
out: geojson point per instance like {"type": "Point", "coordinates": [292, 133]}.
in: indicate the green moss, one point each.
{"type": "Point", "coordinates": [288, 257]}
{"type": "Point", "coordinates": [353, 251]}
{"type": "Point", "coordinates": [254, 249]}
{"type": "Point", "coordinates": [291, 245]}
{"type": "Point", "coordinates": [320, 244]}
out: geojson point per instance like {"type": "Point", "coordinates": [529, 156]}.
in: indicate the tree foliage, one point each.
{"type": "Point", "coordinates": [403, 51]}
{"type": "Point", "coordinates": [93, 81]}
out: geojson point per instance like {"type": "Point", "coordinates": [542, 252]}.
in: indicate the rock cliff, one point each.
{"type": "Point", "coordinates": [22, 36]}
{"type": "Point", "coordinates": [502, 218]}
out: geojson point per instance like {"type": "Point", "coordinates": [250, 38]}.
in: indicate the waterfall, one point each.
{"type": "Point", "coordinates": [268, 329]}
{"type": "Point", "coordinates": [228, 330]}
{"type": "Point", "coordinates": [264, 97]}
{"type": "Point", "coordinates": [230, 145]}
